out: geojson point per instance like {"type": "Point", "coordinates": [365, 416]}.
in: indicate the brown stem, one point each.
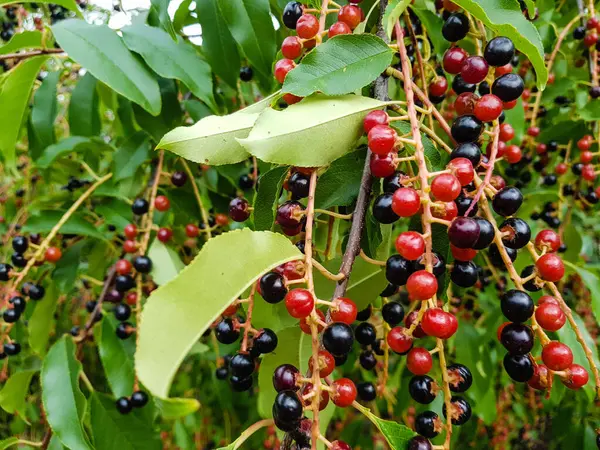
{"type": "Point", "coordinates": [23, 55]}
{"type": "Point", "coordinates": [248, 323]}
{"type": "Point", "coordinates": [490, 169]}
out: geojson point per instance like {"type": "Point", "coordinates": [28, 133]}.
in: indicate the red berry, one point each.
{"type": "Point", "coordinates": [499, 330]}
{"type": "Point", "coordinates": [340, 445]}
{"type": "Point", "coordinates": [513, 154]}
{"type": "Point", "coordinates": [130, 246]}
{"type": "Point", "coordinates": [377, 117]}
{"type": "Point", "coordinates": [231, 310]}
{"type": "Point", "coordinates": [406, 202]}
{"type": "Point", "coordinates": [326, 363]}
{"type": "Point", "coordinates": [438, 323]}
{"type": "Point", "coordinates": [192, 230]}
{"type": "Point", "coordinates": [291, 48]}
{"type": "Point", "coordinates": [421, 285]}
{"type": "Point", "coordinates": [351, 15]}
{"type": "Point", "coordinates": [398, 340]}
{"type": "Point", "coordinates": [586, 157]}
{"type": "Point", "coordinates": [419, 361]}
{"type": "Point", "coordinates": [488, 108]}
{"type": "Point", "coordinates": [445, 187]}
{"type": "Point", "coordinates": [550, 317]}
{"type": "Point", "coordinates": [547, 239]}
{"type": "Point", "coordinates": [291, 99]}
{"type": "Point", "coordinates": [444, 210]}
{"type": "Point", "coordinates": [509, 105]}
{"type": "Point", "coordinates": [131, 299]}
{"type": "Point", "coordinates": [307, 26]}
{"type": "Point", "coordinates": [592, 23]}
{"type": "Point", "coordinates": [560, 169]}
{"type": "Point", "coordinates": [53, 254]}
{"type": "Point", "coordinates": [499, 153]}
{"type": "Point", "coordinates": [130, 231]}
{"type": "Point", "coordinates": [503, 70]}
{"type": "Point", "coordinates": [590, 39]}
{"type": "Point", "coordinates": [343, 310]}
{"type": "Point", "coordinates": [584, 143]}
{"type": "Point", "coordinates": [410, 245]}
{"type": "Point", "coordinates": [463, 254]}
{"type": "Point", "coordinates": [542, 378]}
{"type": "Point", "coordinates": [465, 103]}
{"type": "Point", "coordinates": [462, 168]}
{"type": "Point", "coordinates": [299, 303]}
{"type": "Point", "coordinates": [547, 299]}
{"type": "Point", "coordinates": [576, 378]}
{"type": "Point", "coordinates": [323, 400]}
{"type": "Point", "coordinates": [454, 59]}
{"type": "Point", "coordinates": [344, 392]}
{"type": "Point", "coordinates": [533, 131]}
{"type": "Point", "coordinates": [438, 87]}
{"type": "Point", "coordinates": [221, 219]}
{"type": "Point", "coordinates": [588, 173]}
{"type": "Point", "coordinates": [541, 148]}
{"type": "Point", "coordinates": [557, 356]}
{"type": "Point", "coordinates": [162, 203]}
{"type": "Point", "coordinates": [550, 267]}
{"type": "Point", "coordinates": [164, 234]}
{"type": "Point", "coordinates": [383, 166]}
{"type": "Point", "coordinates": [282, 67]}
{"type": "Point", "coordinates": [305, 327]}
{"type": "Point", "coordinates": [123, 267]}
{"type": "Point", "coordinates": [382, 139]}
{"type": "Point", "coordinates": [498, 182]}
{"type": "Point", "coordinates": [506, 132]}
{"type": "Point", "coordinates": [338, 28]}
{"type": "Point", "coordinates": [474, 69]}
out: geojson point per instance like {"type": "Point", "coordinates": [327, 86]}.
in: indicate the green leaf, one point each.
{"type": "Point", "coordinates": [339, 186]}
{"type": "Point", "coordinates": [340, 66]}
{"type": "Point", "coordinates": [590, 112]}
{"type": "Point", "coordinates": [211, 141]}
{"type": "Point", "coordinates": [592, 281]}
{"type": "Point", "coordinates": [196, 297]}
{"type": "Point", "coordinates": [161, 8]}
{"type": "Point", "coordinates": [12, 395]}
{"type": "Point", "coordinates": [250, 24]}
{"type": "Point", "coordinates": [170, 116]}
{"type": "Point", "coordinates": [267, 195]}
{"type": "Point", "coordinates": [45, 220]}
{"type": "Point", "coordinates": [397, 435]}
{"type": "Point", "coordinates": [102, 52]}
{"type": "Point", "coordinates": [44, 111]}
{"type": "Point", "coordinates": [167, 263]}
{"type": "Point", "coordinates": [174, 408]}
{"type": "Point", "coordinates": [116, 356]}
{"type": "Point", "coordinates": [63, 401]}
{"type": "Point", "coordinates": [15, 90]}
{"type": "Point", "coordinates": [131, 155]}
{"type": "Point", "coordinates": [393, 11]}
{"type": "Point", "coordinates": [172, 59]}
{"type": "Point", "coordinates": [217, 42]}
{"type": "Point", "coordinates": [506, 19]}
{"type": "Point", "coordinates": [71, 144]}
{"type": "Point", "coordinates": [65, 272]}
{"type": "Point", "coordinates": [25, 40]}
{"type": "Point", "coordinates": [5, 443]}
{"type": "Point", "coordinates": [69, 4]}
{"type": "Point", "coordinates": [330, 124]}
{"type": "Point", "coordinates": [42, 321]}
{"type": "Point", "coordinates": [112, 430]}
{"type": "Point", "coordinates": [84, 118]}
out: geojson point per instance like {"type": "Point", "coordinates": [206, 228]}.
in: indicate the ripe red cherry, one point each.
{"type": "Point", "coordinates": [474, 69]}
{"type": "Point", "coordinates": [307, 26]}
{"type": "Point", "coordinates": [291, 47]}
{"type": "Point", "coordinates": [231, 310]}
{"type": "Point", "coordinates": [488, 108]}
{"type": "Point", "coordinates": [444, 210]}
{"type": "Point", "coordinates": [542, 379]}
{"type": "Point", "coordinates": [351, 15]}
{"type": "Point", "coordinates": [130, 246]}
{"type": "Point", "coordinates": [547, 299]}
{"type": "Point", "coordinates": [326, 363]}
{"type": "Point", "coordinates": [550, 317]}
{"type": "Point", "coordinates": [547, 239]}
{"type": "Point", "coordinates": [503, 70]}
{"type": "Point", "coordinates": [398, 340]}
{"type": "Point", "coordinates": [462, 168]}
{"type": "Point", "coordinates": [162, 203]}
{"type": "Point", "coordinates": [576, 377]}
{"type": "Point", "coordinates": [382, 166]}
{"type": "Point", "coordinates": [131, 299]}
{"type": "Point", "coordinates": [164, 234]}
{"type": "Point", "coordinates": [382, 139]}
{"type": "Point", "coordinates": [588, 173]}
{"type": "Point", "coordinates": [409, 320]}
{"type": "Point", "coordinates": [377, 117]}
{"type": "Point", "coordinates": [305, 327]}
{"type": "Point", "coordinates": [507, 132]}
{"type": "Point", "coordinates": [343, 310]}
{"type": "Point", "coordinates": [541, 148]}
{"type": "Point", "coordinates": [340, 445]}
{"type": "Point", "coordinates": [592, 23]}
{"type": "Point", "coordinates": [499, 153]}
{"type": "Point", "coordinates": [533, 131]}
{"type": "Point", "coordinates": [53, 254]}
{"type": "Point", "coordinates": [299, 303]}
{"type": "Point", "coordinates": [498, 182]}
{"type": "Point", "coordinates": [463, 254]}
{"type": "Point", "coordinates": [282, 67]}
{"type": "Point", "coordinates": [338, 28]}
{"type": "Point", "coordinates": [445, 187]}
{"type": "Point", "coordinates": [513, 154]}
{"type": "Point", "coordinates": [406, 202]}
{"type": "Point", "coordinates": [499, 330]}
{"type": "Point", "coordinates": [323, 400]}
{"type": "Point", "coordinates": [586, 157]}
{"type": "Point", "coordinates": [454, 59]}
{"type": "Point", "coordinates": [438, 323]}
{"type": "Point", "coordinates": [419, 361]}
{"type": "Point", "coordinates": [584, 143]}
{"type": "Point", "coordinates": [130, 231]}
{"type": "Point", "coordinates": [560, 169]}
{"type": "Point", "coordinates": [410, 245]}
{"type": "Point", "coordinates": [550, 267]}
{"type": "Point", "coordinates": [221, 219]}
{"type": "Point", "coordinates": [421, 285]}
{"type": "Point", "coordinates": [191, 230]}
{"type": "Point", "coordinates": [590, 39]}
{"type": "Point", "coordinates": [465, 103]}
{"type": "Point", "coordinates": [509, 105]}
{"type": "Point", "coordinates": [557, 356]}
{"type": "Point", "coordinates": [438, 87]}
{"type": "Point", "coordinates": [344, 392]}
{"type": "Point", "coordinates": [123, 267]}
{"type": "Point", "coordinates": [291, 99]}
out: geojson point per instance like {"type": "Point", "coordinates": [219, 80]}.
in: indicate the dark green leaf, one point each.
{"type": "Point", "coordinates": [161, 9]}
{"type": "Point", "coordinates": [43, 113]}
{"type": "Point", "coordinates": [117, 358]}
{"type": "Point", "coordinates": [14, 391]}
{"type": "Point", "coordinates": [131, 155]}
{"type": "Point", "coordinates": [267, 195]}
{"type": "Point", "coordinates": [42, 321]}
{"type": "Point", "coordinates": [340, 184]}
{"type": "Point", "coordinates": [170, 115]}
{"type": "Point", "coordinates": [84, 118]}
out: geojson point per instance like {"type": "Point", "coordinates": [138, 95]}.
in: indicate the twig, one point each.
{"type": "Point", "coordinates": [198, 198]}
{"type": "Point", "coordinates": [23, 55]}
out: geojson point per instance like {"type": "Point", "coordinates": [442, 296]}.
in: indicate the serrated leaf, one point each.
{"type": "Point", "coordinates": [506, 19]}
{"type": "Point", "coordinates": [25, 40]}
{"type": "Point", "coordinates": [172, 59]}
{"type": "Point", "coordinates": [312, 133]}
{"type": "Point", "coordinates": [175, 408]}
{"type": "Point", "coordinates": [167, 263]}
{"type": "Point", "coordinates": [265, 200]}
{"type": "Point", "coordinates": [340, 66]}
{"type": "Point", "coordinates": [393, 11]}
{"type": "Point", "coordinates": [130, 156]}
{"type": "Point", "coordinates": [397, 435]}
{"type": "Point", "coordinates": [116, 356]}
{"type": "Point", "coordinates": [177, 313]}
{"type": "Point", "coordinates": [64, 403]}
{"type": "Point", "coordinates": [84, 118]}
{"type": "Point", "coordinates": [41, 322]}
{"type": "Point", "coordinates": [14, 391]}
{"type": "Point", "coordinates": [211, 141]}
{"type": "Point", "coordinates": [340, 184]}
{"type": "Point", "coordinates": [102, 52]}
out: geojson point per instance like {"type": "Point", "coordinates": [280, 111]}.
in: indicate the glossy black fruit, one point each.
{"type": "Point", "coordinates": [464, 273]}
{"type": "Point", "coordinates": [139, 206]}
{"type": "Point", "coordinates": [518, 367]}
{"type": "Point", "coordinates": [466, 129]}
{"type": "Point", "coordinates": [242, 365]}
{"type": "Point", "coordinates": [291, 13]}
{"type": "Point", "coordinates": [142, 264]}
{"type": "Point", "coordinates": [427, 424]}
{"type": "Point", "coordinates": [122, 312]}
{"type": "Point", "coordinates": [11, 315]}
{"type": "Point", "coordinates": [382, 209]}
{"type": "Point", "coordinates": [534, 284]}
{"type": "Point", "coordinates": [419, 443]}
{"type": "Point", "coordinates": [469, 150]}
{"type": "Point", "coordinates": [517, 306]}
{"type": "Point", "coordinates": [365, 333]}
{"type": "Point", "coordinates": [338, 338]}
{"type": "Point", "coordinates": [18, 260]}
{"type": "Point", "coordinates": [287, 407]}
{"type": "Point", "coordinates": [499, 51]}
{"type": "Point", "coordinates": [459, 85]}
{"type": "Point", "coordinates": [508, 87]}
{"type": "Point", "coordinates": [18, 303]}
{"type": "Point", "coordinates": [463, 203]}
{"type": "Point", "coordinates": [461, 410]}
{"type": "Point", "coordinates": [496, 258]}
{"type": "Point", "coordinates": [366, 391]}
{"type": "Point", "coordinates": [266, 341]}
{"type": "Point", "coordinates": [398, 269]}
{"type": "Point", "coordinates": [246, 73]}
{"type": "Point", "coordinates": [241, 384]}
{"type": "Point", "coordinates": [284, 378]}
{"type": "Point", "coordinates": [422, 389]}
{"type": "Point", "coordinates": [367, 360]}
{"type": "Point", "coordinates": [20, 244]}
{"type": "Point", "coordinates": [464, 232]}
{"type": "Point", "coordinates": [518, 233]}
{"type": "Point", "coordinates": [272, 287]}
{"type": "Point", "coordinates": [517, 338]}
{"type": "Point", "coordinates": [507, 201]}
{"type": "Point", "coordinates": [124, 406]}
{"type": "Point", "coordinates": [5, 272]}
{"type": "Point", "coordinates": [299, 184]}
{"type": "Point", "coordinates": [392, 313]}
{"type": "Point", "coordinates": [486, 234]}
{"type": "Point", "coordinates": [226, 332]}
{"type": "Point", "coordinates": [139, 399]}
{"type": "Point", "coordinates": [460, 376]}
{"type": "Point", "coordinates": [455, 27]}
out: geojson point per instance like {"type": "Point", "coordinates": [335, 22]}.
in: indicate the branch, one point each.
{"type": "Point", "coordinates": [24, 55]}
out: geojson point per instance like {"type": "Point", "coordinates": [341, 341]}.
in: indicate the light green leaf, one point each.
{"type": "Point", "coordinates": [392, 13]}
{"type": "Point", "coordinates": [69, 4]}
{"type": "Point", "coordinates": [592, 282]}
{"type": "Point", "coordinates": [45, 220]}
{"type": "Point", "coordinates": [84, 118]}
{"type": "Point", "coordinates": [26, 40]}
{"type": "Point", "coordinates": [265, 200]}
{"type": "Point", "coordinates": [42, 321]}
{"type": "Point", "coordinates": [15, 90]}
{"type": "Point", "coordinates": [397, 435]}
{"type": "Point", "coordinates": [5, 443]}
{"type": "Point", "coordinates": [54, 444]}
{"type": "Point", "coordinates": [102, 52]}
{"type": "Point", "coordinates": [217, 42]}
{"type": "Point", "coordinates": [590, 112]}
{"type": "Point", "coordinates": [14, 391]}
{"type": "Point", "coordinates": [172, 59]}
{"type": "Point", "coordinates": [43, 113]}
{"type": "Point", "coordinates": [167, 263]}
{"type": "Point", "coordinates": [211, 141]}
{"type": "Point", "coordinates": [312, 133]}
{"type": "Point", "coordinates": [63, 401]}
{"type": "Point", "coordinates": [112, 430]}
{"type": "Point", "coordinates": [71, 144]}
{"type": "Point", "coordinates": [178, 312]}
{"type": "Point", "coordinates": [116, 356]}
{"type": "Point", "coordinates": [506, 19]}
{"type": "Point", "coordinates": [339, 186]}
{"type": "Point", "coordinates": [174, 408]}
{"type": "Point", "coordinates": [131, 155]}
{"type": "Point", "coordinates": [340, 66]}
